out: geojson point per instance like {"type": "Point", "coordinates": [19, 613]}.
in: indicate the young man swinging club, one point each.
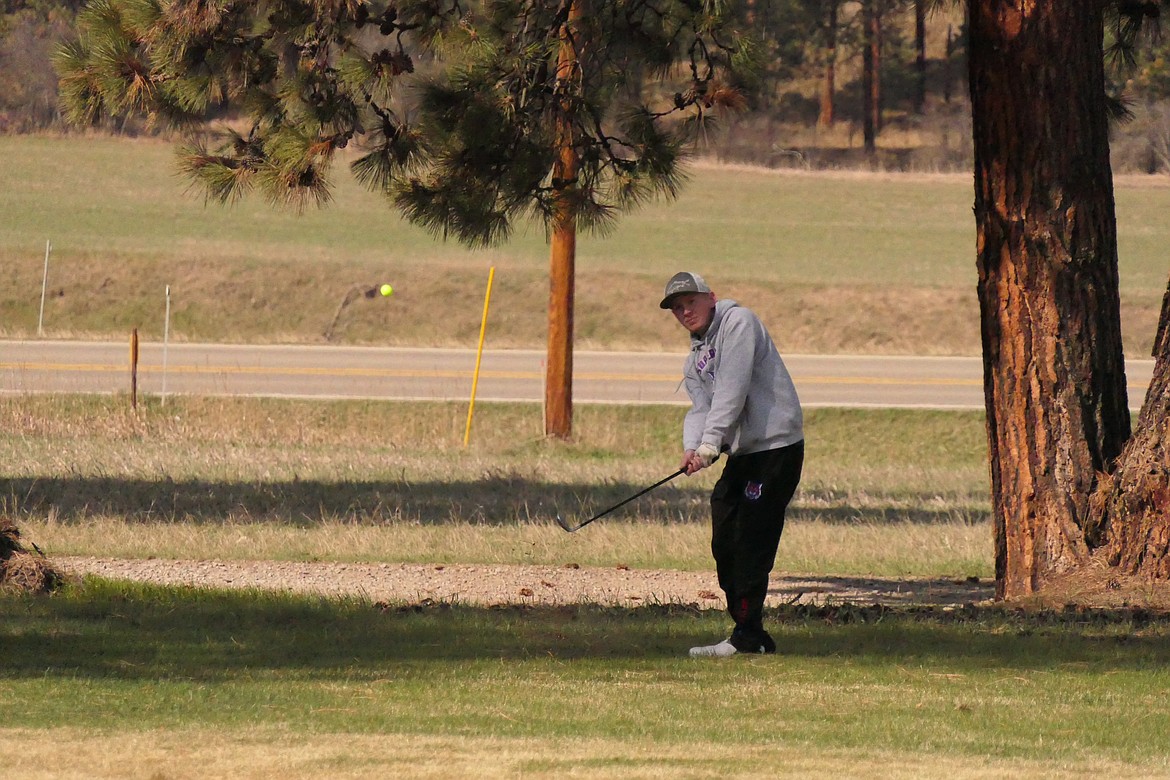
{"type": "Point", "coordinates": [743, 403]}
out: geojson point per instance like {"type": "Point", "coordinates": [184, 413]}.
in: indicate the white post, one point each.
{"type": "Point", "coordinates": [166, 342]}
{"type": "Point", "coordinates": [44, 284]}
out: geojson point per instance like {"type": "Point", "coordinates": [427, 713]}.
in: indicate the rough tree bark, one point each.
{"type": "Point", "coordinates": [1054, 382]}
{"type": "Point", "coordinates": [1132, 510]}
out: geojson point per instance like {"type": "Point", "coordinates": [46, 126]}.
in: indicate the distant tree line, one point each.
{"type": "Point", "coordinates": [854, 66]}
{"type": "Point", "coordinates": [29, 32]}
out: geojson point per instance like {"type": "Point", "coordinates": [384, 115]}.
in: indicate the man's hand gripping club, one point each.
{"type": "Point", "coordinates": [699, 459]}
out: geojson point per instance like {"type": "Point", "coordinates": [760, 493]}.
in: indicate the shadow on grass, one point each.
{"type": "Point", "coordinates": [890, 592]}
{"type": "Point", "coordinates": [107, 629]}
{"type": "Point", "coordinates": [495, 499]}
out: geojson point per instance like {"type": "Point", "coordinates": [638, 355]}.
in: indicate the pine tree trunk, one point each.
{"type": "Point", "coordinates": [1135, 503]}
{"type": "Point", "coordinates": [870, 80]}
{"type": "Point", "coordinates": [920, 56]}
{"type": "Point", "coordinates": [1054, 379]}
{"type": "Point", "coordinates": [558, 386]}
{"type": "Point", "coordinates": [875, 84]}
{"type": "Point", "coordinates": [950, 51]}
{"type": "Point", "coordinates": [829, 79]}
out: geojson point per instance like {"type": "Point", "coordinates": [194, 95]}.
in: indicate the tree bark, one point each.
{"type": "Point", "coordinates": [1054, 382]}
{"type": "Point", "coordinates": [1134, 504]}
{"type": "Point", "coordinates": [558, 386]}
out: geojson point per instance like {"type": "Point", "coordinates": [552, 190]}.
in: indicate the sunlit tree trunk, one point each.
{"type": "Point", "coordinates": [1054, 379]}
{"type": "Point", "coordinates": [558, 399]}
{"type": "Point", "coordinates": [558, 389]}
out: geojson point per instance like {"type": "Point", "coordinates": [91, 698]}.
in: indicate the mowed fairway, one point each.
{"type": "Point", "coordinates": [109, 681]}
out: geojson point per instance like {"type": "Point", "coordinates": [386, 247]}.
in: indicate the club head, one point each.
{"type": "Point", "coordinates": [563, 523]}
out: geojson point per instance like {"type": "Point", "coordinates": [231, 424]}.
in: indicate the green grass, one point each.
{"type": "Point", "coordinates": [753, 224]}
{"type": "Point", "coordinates": [599, 692]}
{"type": "Point", "coordinates": [757, 225]}
{"type": "Point", "coordinates": [833, 262]}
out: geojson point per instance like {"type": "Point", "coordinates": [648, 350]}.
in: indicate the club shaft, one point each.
{"type": "Point", "coordinates": [640, 493]}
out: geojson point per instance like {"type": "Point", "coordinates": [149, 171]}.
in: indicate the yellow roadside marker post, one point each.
{"type": "Point", "coordinates": [478, 356]}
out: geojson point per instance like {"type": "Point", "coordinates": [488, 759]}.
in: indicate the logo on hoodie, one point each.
{"type": "Point", "coordinates": [704, 360]}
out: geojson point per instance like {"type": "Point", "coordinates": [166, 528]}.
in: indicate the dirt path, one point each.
{"type": "Point", "coordinates": [484, 585]}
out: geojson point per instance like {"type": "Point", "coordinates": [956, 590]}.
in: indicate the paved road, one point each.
{"type": "Point", "coordinates": [447, 374]}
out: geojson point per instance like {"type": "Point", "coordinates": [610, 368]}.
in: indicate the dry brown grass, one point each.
{"type": "Point", "coordinates": [20, 569]}
{"type": "Point", "coordinates": [269, 301]}
{"type": "Point", "coordinates": [353, 481]}
{"type": "Point", "coordinates": [274, 301]}
{"type": "Point", "coordinates": [884, 321]}
{"type": "Point", "coordinates": [1096, 585]}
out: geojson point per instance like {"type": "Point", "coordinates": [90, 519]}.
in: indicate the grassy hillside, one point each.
{"type": "Point", "coordinates": [834, 262]}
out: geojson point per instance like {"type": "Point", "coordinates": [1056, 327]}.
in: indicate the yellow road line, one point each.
{"type": "Point", "coordinates": [262, 370]}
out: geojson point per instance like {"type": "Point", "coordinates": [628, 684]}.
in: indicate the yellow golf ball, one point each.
{"type": "Point", "coordinates": [386, 289]}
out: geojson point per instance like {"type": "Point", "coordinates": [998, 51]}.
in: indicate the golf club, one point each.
{"type": "Point", "coordinates": [563, 523]}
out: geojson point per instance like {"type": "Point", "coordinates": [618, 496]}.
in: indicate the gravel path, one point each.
{"type": "Point", "coordinates": [485, 585]}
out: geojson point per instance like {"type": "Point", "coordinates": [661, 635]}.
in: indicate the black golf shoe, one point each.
{"type": "Point", "coordinates": [758, 641]}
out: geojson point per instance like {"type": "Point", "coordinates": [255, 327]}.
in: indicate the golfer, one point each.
{"type": "Point", "coordinates": [743, 403]}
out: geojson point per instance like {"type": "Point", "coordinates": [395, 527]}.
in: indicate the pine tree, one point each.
{"type": "Point", "coordinates": [569, 111]}
{"type": "Point", "coordinates": [1069, 483]}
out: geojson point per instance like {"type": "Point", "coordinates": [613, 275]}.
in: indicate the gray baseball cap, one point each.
{"type": "Point", "coordinates": [683, 282]}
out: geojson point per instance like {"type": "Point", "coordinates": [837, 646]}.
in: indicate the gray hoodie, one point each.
{"type": "Point", "coordinates": [742, 398]}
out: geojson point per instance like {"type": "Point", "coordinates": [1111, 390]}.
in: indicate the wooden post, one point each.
{"type": "Point", "coordinates": [558, 408]}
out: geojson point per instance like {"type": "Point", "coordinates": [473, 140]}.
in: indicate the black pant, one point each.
{"type": "Point", "coordinates": [747, 518]}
